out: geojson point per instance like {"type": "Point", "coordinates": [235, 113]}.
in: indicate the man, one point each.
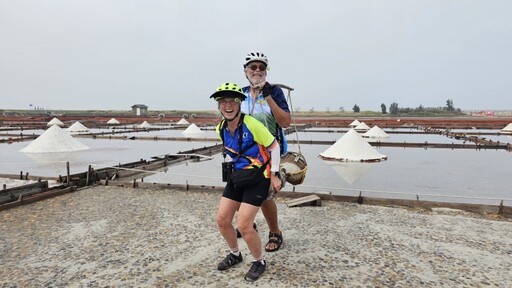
{"type": "Point", "coordinates": [267, 104]}
{"type": "Point", "coordinates": [255, 152]}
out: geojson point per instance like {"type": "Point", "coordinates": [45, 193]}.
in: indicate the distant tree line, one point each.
{"type": "Point", "coordinates": [394, 109]}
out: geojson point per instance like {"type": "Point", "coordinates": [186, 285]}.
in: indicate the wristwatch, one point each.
{"type": "Point", "coordinates": [276, 173]}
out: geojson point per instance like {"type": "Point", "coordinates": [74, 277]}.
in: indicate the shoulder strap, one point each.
{"type": "Point", "coordinates": [222, 130]}
{"type": "Point", "coordinates": [223, 126]}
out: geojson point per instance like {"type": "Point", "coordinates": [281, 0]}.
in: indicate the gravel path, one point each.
{"type": "Point", "coordinates": [119, 237]}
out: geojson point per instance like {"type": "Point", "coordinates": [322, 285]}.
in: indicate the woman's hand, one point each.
{"type": "Point", "coordinates": [275, 182]}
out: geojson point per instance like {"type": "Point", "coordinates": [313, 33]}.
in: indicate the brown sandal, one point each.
{"type": "Point", "coordinates": [274, 238]}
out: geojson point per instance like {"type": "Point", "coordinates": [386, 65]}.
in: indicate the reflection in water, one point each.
{"type": "Point", "coordinates": [55, 162]}
{"type": "Point", "coordinates": [351, 171]}
{"type": "Point", "coordinates": [459, 172]}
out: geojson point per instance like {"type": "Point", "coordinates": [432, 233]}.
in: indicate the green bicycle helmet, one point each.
{"type": "Point", "coordinates": [228, 90]}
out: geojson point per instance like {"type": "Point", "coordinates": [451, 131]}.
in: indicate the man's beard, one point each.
{"type": "Point", "coordinates": [255, 83]}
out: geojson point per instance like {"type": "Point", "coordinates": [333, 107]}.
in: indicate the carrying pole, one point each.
{"type": "Point", "coordinates": [290, 89]}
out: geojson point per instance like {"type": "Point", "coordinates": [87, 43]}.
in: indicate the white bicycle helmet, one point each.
{"type": "Point", "coordinates": [255, 56]}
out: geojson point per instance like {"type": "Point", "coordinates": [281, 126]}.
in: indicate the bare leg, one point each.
{"type": "Point", "coordinates": [246, 215]}
{"type": "Point", "coordinates": [225, 214]}
{"type": "Point", "coordinates": [269, 209]}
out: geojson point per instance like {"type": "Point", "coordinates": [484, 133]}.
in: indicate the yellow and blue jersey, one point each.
{"type": "Point", "coordinates": [256, 139]}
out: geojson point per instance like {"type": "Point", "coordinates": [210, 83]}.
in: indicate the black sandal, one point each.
{"type": "Point", "coordinates": [274, 238]}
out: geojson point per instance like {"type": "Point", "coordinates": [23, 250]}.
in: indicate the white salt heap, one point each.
{"type": "Point", "coordinates": [77, 127]}
{"type": "Point", "coordinates": [193, 129]}
{"type": "Point", "coordinates": [376, 132]}
{"type": "Point", "coordinates": [507, 128]}
{"type": "Point", "coordinates": [362, 127]}
{"type": "Point", "coordinates": [55, 121]}
{"type": "Point", "coordinates": [54, 139]}
{"type": "Point", "coordinates": [113, 121]}
{"type": "Point", "coordinates": [354, 123]}
{"type": "Point", "coordinates": [352, 147]}
{"type": "Point", "coordinates": [145, 124]}
{"type": "Point", "coordinates": [183, 121]}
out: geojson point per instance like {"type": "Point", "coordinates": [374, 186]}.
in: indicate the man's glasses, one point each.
{"type": "Point", "coordinates": [261, 67]}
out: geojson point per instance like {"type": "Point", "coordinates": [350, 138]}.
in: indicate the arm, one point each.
{"type": "Point", "coordinates": [283, 118]}
{"type": "Point", "coordinates": [275, 181]}
{"type": "Point", "coordinates": [277, 103]}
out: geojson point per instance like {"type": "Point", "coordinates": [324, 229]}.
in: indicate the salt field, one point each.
{"type": "Point", "coordinates": [459, 175]}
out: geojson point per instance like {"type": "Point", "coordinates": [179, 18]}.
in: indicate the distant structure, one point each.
{"type": "Point", "coordinates": [140, 109]}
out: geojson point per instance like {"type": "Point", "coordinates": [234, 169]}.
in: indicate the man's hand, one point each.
{"type": "Point", "coordinates": [266, 90]}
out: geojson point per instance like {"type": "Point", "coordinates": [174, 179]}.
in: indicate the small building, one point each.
{"type": "Point", "coordinates": [140, 109]}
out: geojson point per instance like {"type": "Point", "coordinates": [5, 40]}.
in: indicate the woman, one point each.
{"type": "Point", "coordinates": [250, 146]}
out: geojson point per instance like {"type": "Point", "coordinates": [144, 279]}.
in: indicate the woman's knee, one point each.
{"type": "Point", "coordinates": [245, 227]}
{"type": "Point", "coordinates": [223, 221]}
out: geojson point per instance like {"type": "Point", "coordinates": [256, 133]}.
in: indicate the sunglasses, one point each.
{"type": "Point", "coordinates": [261, 67]}
{"type": "Point", "coordinates": [225, 101]}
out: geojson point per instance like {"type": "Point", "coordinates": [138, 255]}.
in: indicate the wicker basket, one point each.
{"type": "Point", "coordinates": [295, 166]}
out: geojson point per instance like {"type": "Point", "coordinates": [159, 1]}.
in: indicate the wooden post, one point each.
{"type": "Point", "coordinates": [26, 176]}
{"type": "Point", "coordinates": [5, 186]}
{"type": "Point", "coordinates": [21, 175]}
{"type": "Point", "coordinates": [87, 177]}
{"type": "Point", "coordinates": [68, 180]}
{"type": "Point", "coordinates": [360, 198]}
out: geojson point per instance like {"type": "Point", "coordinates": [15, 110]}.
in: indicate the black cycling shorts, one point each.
{"type": "Point", "coordinates": [254, 195]}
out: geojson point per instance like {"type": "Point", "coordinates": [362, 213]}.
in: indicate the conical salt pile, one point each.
{"type": "Point", "coordinates": [77, 127]}
{"type": "Point", "coordinates": [183, 121]}
{"type": "Point", "coordinates": [507, 128]}
{"type": "Point", "coordinates": [354, 123]}
{"type": "Point", "coordinates": [362, 127]}
{"type": "Point", "coordinates": [145, 124]}
{"type": "Point", "coordinates": [54, 139]}
{"type": "Point", "coordinates": [375, 132]}
{"type": "Point", "coordinates": [193, 129]}
{"type": "Point", "coordinates": [55, 121]}
{"type": "Point", "coordinates": [113, 121]}
{"type": "Point", "coordinates": [352, 147]}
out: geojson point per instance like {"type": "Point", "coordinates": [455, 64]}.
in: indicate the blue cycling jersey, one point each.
{"type": "Point", "coordinates": [260, 110]}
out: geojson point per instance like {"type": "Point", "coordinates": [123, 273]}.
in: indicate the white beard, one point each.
{"type": "Point", "coordinates": [256, 82]}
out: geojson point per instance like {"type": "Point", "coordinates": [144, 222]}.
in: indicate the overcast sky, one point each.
{"type": "Point", "coordinates": [111, 54]}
